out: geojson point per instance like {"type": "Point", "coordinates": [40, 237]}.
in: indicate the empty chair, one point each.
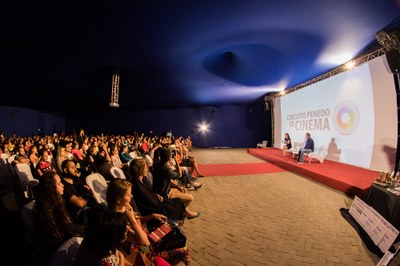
{"type": "Point", "coordinates": [99, 185]}
{"type": "Point", "coordinates": [26, 179]}
{"type": "Point", "coordinates": [67, 252]}
{"type": "Point", "coordinates": [117, 172]}
{"type": "Point", "coordinates": [263, 144]}
{"type": "Point", "coordinates": [319, 154]}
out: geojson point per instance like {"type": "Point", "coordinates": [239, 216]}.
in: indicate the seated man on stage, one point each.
{"type": "Point", "coordinates": [309, 147]}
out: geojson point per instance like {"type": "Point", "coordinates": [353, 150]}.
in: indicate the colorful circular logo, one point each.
{"type": "Point", "coordinates": [346, 118]}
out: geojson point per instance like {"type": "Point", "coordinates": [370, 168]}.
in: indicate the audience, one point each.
{"type": "Point", "coordinates": [63, 205]}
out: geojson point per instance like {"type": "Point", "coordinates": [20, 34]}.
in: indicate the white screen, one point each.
{"type": "Point", "coordinates": [341, 112]}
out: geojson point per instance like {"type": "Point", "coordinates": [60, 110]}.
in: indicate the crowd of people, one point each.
{"type": "Point", "coordinates": [160, 171]}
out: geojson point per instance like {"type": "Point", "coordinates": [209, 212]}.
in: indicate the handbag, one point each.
{"type": "Point", "coordinates": [157, 234]}
{"type": "Point", "coordinates": [174, 239]}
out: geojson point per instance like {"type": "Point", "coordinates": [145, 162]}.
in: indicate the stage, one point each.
{"type": "Point", "coordinates": [351, 180]}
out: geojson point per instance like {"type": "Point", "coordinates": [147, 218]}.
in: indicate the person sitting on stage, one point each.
{"type": "Point", "coordinates": [309, 147]}
{"type": "Point", "coordinates": [287, 144]}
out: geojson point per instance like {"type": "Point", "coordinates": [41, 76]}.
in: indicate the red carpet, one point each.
{"type": "Point", "coordinates": [349, 179]}
{"type": "Point", "coordinates": [238, 169]}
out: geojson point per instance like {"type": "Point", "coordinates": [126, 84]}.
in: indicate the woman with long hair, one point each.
{"type": "Point", "coordinates": [119, 199]}
{"type": "Point", "coordinates": [53, 223]}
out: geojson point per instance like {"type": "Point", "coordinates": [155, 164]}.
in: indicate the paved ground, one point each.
{"type": "Point", "coordinates": [270, 219]}
{"type": "Point", "coordinates": [263, 219]}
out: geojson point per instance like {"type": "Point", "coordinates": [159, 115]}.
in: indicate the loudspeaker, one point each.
{"type": "Point", "coordinates": [393, 59]}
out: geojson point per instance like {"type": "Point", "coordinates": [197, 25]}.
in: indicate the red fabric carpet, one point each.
{"type": "Point", "coordinates": [349, 179]}
{"type": "Point", "coordinates": [238, 169]}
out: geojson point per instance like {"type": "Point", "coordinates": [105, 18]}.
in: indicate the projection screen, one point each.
{"type": "Point", "coordinates": [354, 113]}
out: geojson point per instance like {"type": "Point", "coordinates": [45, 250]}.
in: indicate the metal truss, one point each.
{"type": "Point", "coordinates": [357, 61]}
{"type": "Point", "coordinates": [115, 89]}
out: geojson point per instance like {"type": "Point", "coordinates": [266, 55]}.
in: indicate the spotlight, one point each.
{"type": "Point", "coordinates": [203, 127]}
{"type": "Point", "coordinates": [350, 64]}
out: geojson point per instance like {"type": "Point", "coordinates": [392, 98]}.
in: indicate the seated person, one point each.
{"type": "Point", "coordinates": [163, 172]}
{"type": "Point", "coordinates": [103, 235]}
{"type": "Point", "coordinates": [124, 154]}
{"type": "Point", "coordinates": [116, 161]}
{"type": "Point", "coordinates": [33, 155]}
{"type": "Point", "coordinates": [287, 144]}
{"type": "Point", "coordinates": [64, 152]}
{"type": "Point", "coordinates": [53, 223]}
{"type": "Point", "coordinates": [77, 152]}
{"type": "Point", "coordinates": [43, 165]}
{"type": "Point", "coordinates": [119, 199]}
{"type": "Point", "coordinates": [102, 162]}
{"type": "Point", "coordinates": [308, 147]}
{"type": "Point", "coordinates": [148, 201]}
{"type": "Point", "coordinates": [21, 156]}
{"type": "Point", "coordinates": [78, 196]}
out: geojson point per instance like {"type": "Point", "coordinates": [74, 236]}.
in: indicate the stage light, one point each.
{"type": "Point", "coordinates": [350, 64]}
{"type": "Point", "coordinates": [203, 127]}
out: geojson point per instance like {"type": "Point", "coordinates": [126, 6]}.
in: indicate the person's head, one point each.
{"type": "Point", "coordinates": [105, 231]}
{"type": "Point", "coordinates": [114, 150]}
{"type": "Point", "coordinates": [287, 136]}
{"type": "Point", "coordinates": [69, 168]}
{"type": "Point", "coordinates": [119, 193]}
{"type": "Point", "coordinates": [33, 149]}
{"type": "Point", "coordinates": [21, 151]}
{"type": "Point", "coordinates": [44, 155]}
{"type": "Point", "coordinates": [50, 187]}
{"type": "Point", "coordinates": [307, 135]}
{"type": "Point", "coordinates": [76, 145]}
{"type": "Point", "coordinates": [138, 168]}
{"type": "Point", "coordinates": [123, 148]}
{"type": "Point", "coordinates": [164, 154]}
{"type": "Point", "coordinates": [68, 146]}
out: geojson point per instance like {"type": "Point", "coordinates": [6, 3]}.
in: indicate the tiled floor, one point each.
{"type": "Point", "coordinates": [270, 219]}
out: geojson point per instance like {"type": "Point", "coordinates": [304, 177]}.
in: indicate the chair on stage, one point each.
{"type": "Point", "coordinates": [295, 149]}
{"type": "Point", "coordinates": [319, 154]}
{"type": "Point", "coordinates": [263, 144]}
